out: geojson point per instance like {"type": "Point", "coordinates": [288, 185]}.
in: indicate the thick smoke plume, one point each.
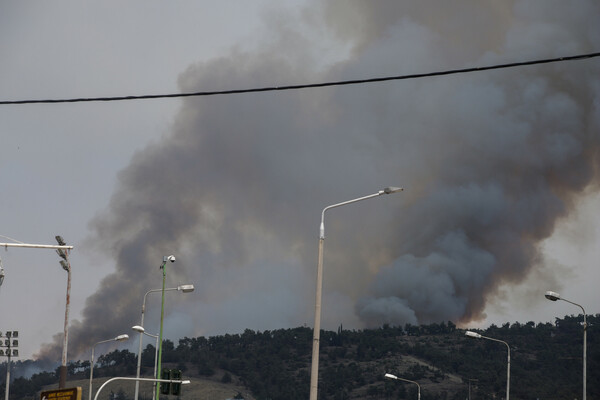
{"type": "Point", "coordinates": [489, 161]}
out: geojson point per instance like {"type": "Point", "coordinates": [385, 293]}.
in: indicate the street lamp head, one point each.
{"type": "Point", "coordinates": [392, 189]}
{"type": "Point", "coordinates": [473, 334]}
{"type": "Point", "coordinates": [390, 376]}
{"type": "Point", "coordinates": [65, 265]}
{"type": "Point", "coordinates": [60, 240]}
{"type": "Point", "coordinates": [138, 328]}
{"type": "Point", "coordinates": [185, 288]}
{"type": "Point", "coordinates": [170, 258]}
{"type": "Point", "coordinates": [120, 338]}
{"type": "Point", "coordinates": [550, 295]}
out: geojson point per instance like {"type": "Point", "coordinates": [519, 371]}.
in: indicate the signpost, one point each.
{"type": "Point", "coordinates": [62, 394]}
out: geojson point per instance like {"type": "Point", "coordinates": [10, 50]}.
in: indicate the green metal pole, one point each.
{"type": "Point", "coordinates": [162, 313]}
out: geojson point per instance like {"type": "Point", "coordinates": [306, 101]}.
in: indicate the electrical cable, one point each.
{"type": "Point", "coordinates": [304, 86]}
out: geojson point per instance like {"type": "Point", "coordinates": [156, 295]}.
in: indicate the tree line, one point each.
{"type": "Point", "coordinates": [546, 362]}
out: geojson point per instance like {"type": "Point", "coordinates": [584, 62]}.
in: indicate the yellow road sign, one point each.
{"type": "Point", "coordinates": [62, 394]}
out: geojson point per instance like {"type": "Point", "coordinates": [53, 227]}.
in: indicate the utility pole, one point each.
{"type": "Point", "coordinates": [67, 267]}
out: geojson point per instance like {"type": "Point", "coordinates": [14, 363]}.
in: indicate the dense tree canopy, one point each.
{"type": "Point", "coordinates": [546, 362]}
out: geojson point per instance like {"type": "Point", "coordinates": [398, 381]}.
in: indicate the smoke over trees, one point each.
{"type": "Point", "coordinates": [489, 161]}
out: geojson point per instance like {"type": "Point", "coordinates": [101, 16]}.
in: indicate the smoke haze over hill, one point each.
{"type": "Point", "coordinates": [489, 161]}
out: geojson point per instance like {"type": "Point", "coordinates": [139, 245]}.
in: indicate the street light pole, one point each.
{"type": "Point", "coordinates": [478, 336]}
{"type": "Point", "coordinates": [142, 331]}
{"type": "Point", "coordinates": [553, 296]}
{"type": "Point", "coordinates": [314, 371]}
{"type": "Point", "coordinates": [390, 376]}
{"type": "Point", "coordinates": [140, 328]}
{"type": "Point", "coordinates": [163, 267]}
{"type": "Point", "coordinates": [62, 381]}
{"type": "Point", "coordinates": [119, 338]}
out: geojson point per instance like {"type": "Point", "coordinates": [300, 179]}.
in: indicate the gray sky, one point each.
{"type": "Point", "coordinates": [500, 186]}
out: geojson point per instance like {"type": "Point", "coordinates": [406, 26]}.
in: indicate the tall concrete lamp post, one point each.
{"type": "Point", "coordinates": [476, 335]}
{"type": "Point", "coordinates": [314, 371]}
{"type": "Point", "coordinates": [553, 296]}
{"type": "Point", "coordinates": [66, 265]}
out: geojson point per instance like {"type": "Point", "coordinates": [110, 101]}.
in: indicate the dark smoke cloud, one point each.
{"type": "Point", "coordinates": [490, 161]}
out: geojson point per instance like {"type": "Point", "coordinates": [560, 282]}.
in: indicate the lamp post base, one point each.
{"type": "Point", "coordinates": [62, 380]}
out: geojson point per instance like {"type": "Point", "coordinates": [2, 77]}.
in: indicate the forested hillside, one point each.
{"type": "Point", "coordinates": [546, 363]}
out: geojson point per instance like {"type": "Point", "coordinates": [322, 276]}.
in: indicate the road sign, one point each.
{"type": "Point", "coordinates": [62, 394]}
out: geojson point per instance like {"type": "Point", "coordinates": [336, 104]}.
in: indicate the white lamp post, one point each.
{"type": "Point", "coordinates": [142, 331]}
{"type": "Point", "coordinates": [553, 296]}
{"type": "Point", "coordinates": [181, 288]}
{"type": "Point", "coordinates": [119, 338]}
{"type": "Point", "coordinates": [478, 336]}
{"type": "Point", "coordinates": [390, 376]}
{"type": "Point", "coordinates": [314, 371]}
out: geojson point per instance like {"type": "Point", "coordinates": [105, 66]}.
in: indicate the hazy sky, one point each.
{"type": "Point", "coordinates": [500, 168]}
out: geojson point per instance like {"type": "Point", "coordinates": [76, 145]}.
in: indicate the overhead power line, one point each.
{"type": "Point", "coordinates": [305, 86]}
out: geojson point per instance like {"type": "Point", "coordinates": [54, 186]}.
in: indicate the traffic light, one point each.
{"type": "Point", "coordinates": [165, 387]}
{"type": "Point", "coordinates": [176, 387]}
